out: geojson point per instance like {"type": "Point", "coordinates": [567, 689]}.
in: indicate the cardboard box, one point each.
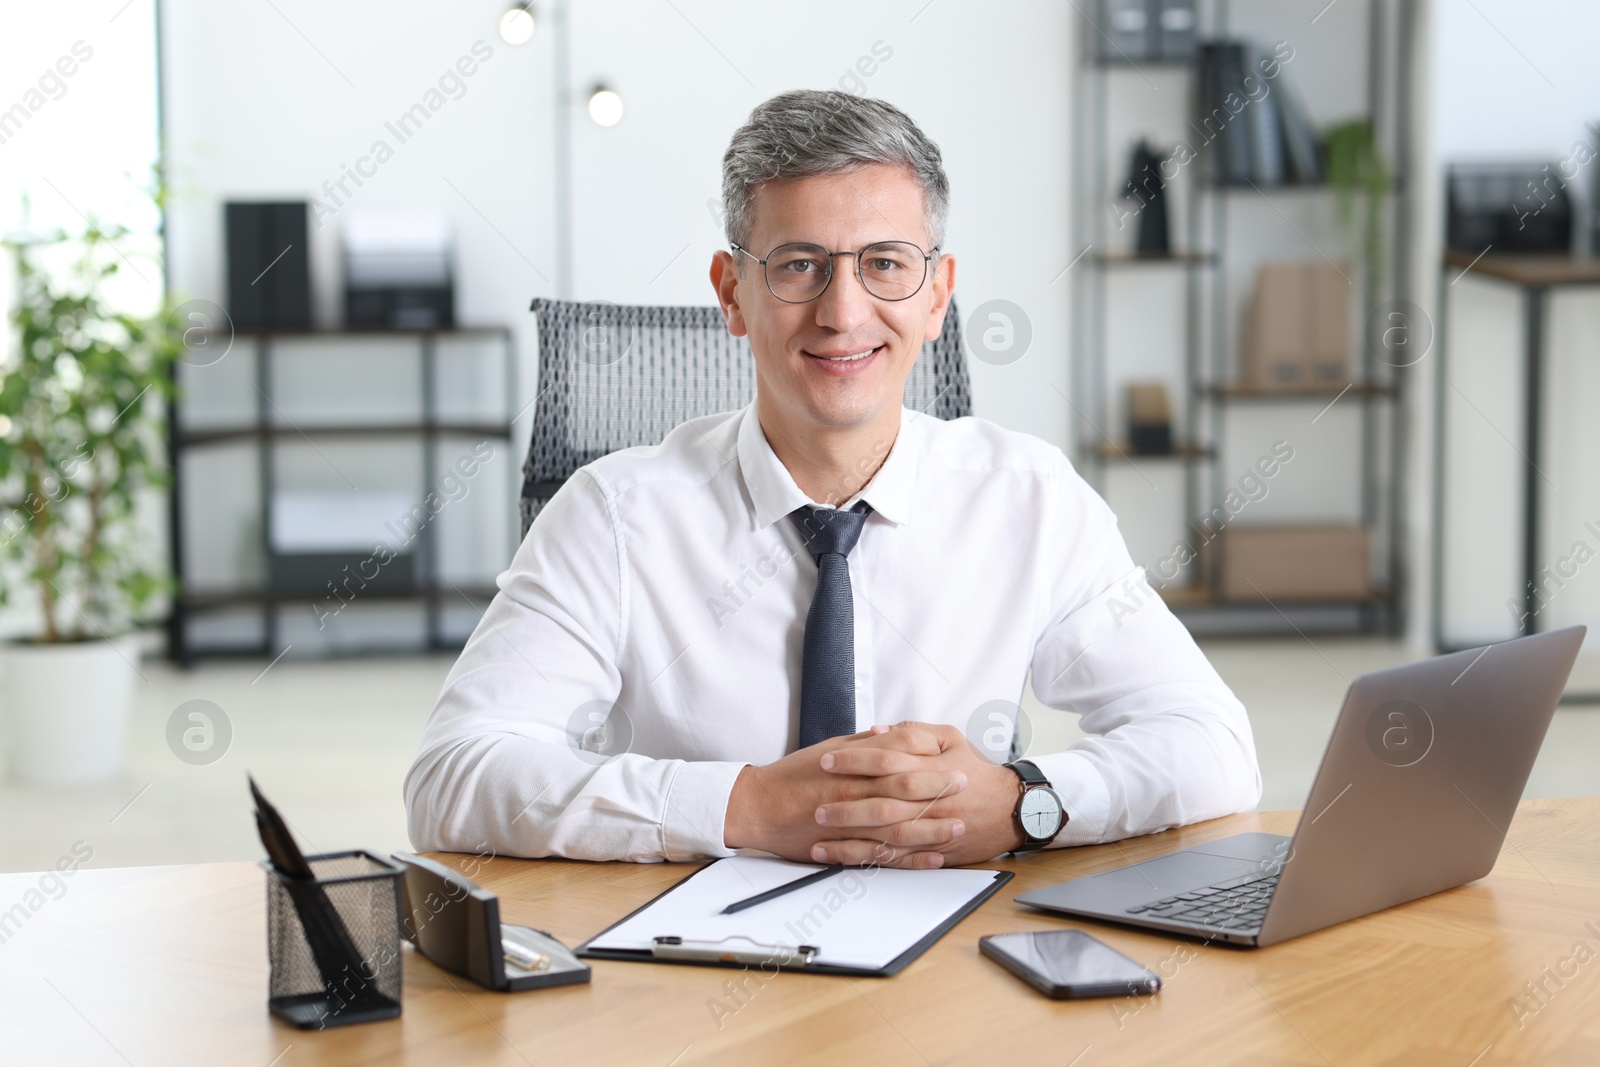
{"type": "Point", "coordinates": [1328, 324]}
{"type": "Point", "coordinates": [1297, 328]}
{"type": "Point", "coordinates": [1290, 563]}
{"type": "Point", "coordinates": [1273, 356]}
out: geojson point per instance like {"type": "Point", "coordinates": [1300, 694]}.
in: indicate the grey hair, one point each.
{"type": "Point", "coordinates": [804, 133]}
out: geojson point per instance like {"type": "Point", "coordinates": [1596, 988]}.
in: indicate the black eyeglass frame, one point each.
{"type": "Point", "coordinates": [927, 260]}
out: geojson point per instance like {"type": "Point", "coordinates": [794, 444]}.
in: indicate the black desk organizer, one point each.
{"type": "Point", "coordinates": [346, 967]}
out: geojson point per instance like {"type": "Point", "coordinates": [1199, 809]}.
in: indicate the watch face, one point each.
{"type": "Point", "coordinates": [1040, 813]}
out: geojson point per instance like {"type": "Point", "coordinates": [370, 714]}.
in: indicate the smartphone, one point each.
{"type": "Point", "coordinates": [1067, 964]}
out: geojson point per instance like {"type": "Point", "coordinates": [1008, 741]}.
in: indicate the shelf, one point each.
{"type": "Point", "coordinates": [258, 597]}
{"type": "Point", "coordinates": [445, 331]}
{"type": "Point", "coordinates": [1209, 393]}
{"type": "Point", "coordinates": [1281, 187]}
{"type": "Point", "coordinates": [366, 652]}
{"type": "Point", "coordinates": [1263, 187]}
{"type": "Point", "coordinates": [1187, 596]}
{"type": "Point", "coordinates": [1155, 259]}
{"type": "Point", "coordinates": [1162, 63]}
{"type": "Point", "coordinates": [418, 430]}
{"type": "Point", "coordinates": [1200, 597]}
{"type": "Point", "coordinates": [1371, 596]}
{"type": "Point", "coordinates": [254, 433]}
{"type": "Point", "coordinates": [1114, 451]}
{"type": "Point", "coordinates": [1296, 396]}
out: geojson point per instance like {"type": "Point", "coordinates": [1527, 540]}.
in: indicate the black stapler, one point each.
{"type": "Point", "coordinates": [456, 924]}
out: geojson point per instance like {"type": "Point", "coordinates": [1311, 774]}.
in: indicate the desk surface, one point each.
{"type": "Point", "coordinates": [168, 965]}
{"type": "Point", "coordinates": [1529, 268]}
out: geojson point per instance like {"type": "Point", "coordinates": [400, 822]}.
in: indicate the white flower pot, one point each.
{"type": "Point", "coordinates": [67, 708]}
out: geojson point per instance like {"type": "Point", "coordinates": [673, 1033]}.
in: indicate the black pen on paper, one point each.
{"type": "Point", "coordinates": [787, 887]}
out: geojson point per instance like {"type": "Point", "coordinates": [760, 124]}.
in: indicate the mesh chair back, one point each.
{"type": "Point", "coordinates": [613, 376]}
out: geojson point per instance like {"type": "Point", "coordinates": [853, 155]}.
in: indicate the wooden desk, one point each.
{"type": "Point", "coordinates": [1540, 269]}
{"type": "Point", "coordinates": [167, 965]}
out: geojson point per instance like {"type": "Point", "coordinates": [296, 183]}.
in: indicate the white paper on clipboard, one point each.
{"type": "Point", "coordinates": [860, 917]}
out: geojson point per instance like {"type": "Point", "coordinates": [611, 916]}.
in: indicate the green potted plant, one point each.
{"type": "Point", "coordinates": [81, 434]}
{"type": "Point", "coordinates": [1361, 180]}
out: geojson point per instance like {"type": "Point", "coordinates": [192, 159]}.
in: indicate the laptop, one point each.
{"type": "Point", "coordinates": [1414, 796]}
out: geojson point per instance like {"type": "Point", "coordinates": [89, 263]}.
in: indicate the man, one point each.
{"type": "Point", "coordinates": [798, 679]}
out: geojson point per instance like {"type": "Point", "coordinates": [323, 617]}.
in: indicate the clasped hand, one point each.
{"type": "Point", "coordinates": [913, 795]}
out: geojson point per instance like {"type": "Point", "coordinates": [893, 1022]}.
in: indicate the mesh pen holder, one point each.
{"type": "Point", "coordinates": [334, 943]}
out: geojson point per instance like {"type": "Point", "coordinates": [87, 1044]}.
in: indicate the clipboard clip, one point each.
{"type": "Point", "coordinates": [676, 948]}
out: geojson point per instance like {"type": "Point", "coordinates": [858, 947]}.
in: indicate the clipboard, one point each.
{"type": "Point", "coordinates": [737, 948]}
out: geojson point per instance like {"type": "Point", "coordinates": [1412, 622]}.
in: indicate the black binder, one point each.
{"type": "Point", "coordinates": [269, 265]}
{"type": "Point", "coordinates": [672, 949]}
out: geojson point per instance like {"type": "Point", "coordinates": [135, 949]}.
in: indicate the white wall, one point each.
{"type": "Point", "coordinates": [1513, 80]}
{"type": "Point", "coordinates": [90, 133]}
{"type": "Point", "coordinates": [83, 146]}
{"type": "Point", "coordinates": [1516, 78]}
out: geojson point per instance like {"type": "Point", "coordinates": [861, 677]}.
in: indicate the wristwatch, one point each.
{"type": "Point", "coordinates": [1040, 814]}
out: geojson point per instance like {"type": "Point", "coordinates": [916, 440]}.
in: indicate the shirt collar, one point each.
{"type": "Point", "coordinates": [773, 490]}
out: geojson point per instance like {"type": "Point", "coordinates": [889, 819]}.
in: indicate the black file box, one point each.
{"type": "Point", "coordinates": [355, 894]}
{"type": "Point", "coordinates": [269, 265]}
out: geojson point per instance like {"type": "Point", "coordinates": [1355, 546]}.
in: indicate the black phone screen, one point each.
{"type": "Point", "coordinates": [1069, 963]}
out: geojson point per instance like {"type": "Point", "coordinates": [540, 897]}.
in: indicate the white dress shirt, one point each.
{"type": "Point", "coordinates": [666, 586]}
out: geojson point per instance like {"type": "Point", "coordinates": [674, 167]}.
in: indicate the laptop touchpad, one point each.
{"type": "Point", "coordinates": [1183, 870]}
{"type": "Point", "coordinates": [1270, 849]}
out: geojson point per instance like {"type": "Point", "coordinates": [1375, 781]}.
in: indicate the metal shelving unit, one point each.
{"type": "Point", "coordinates": [266, 432]}
{"type": "Point", "coordinates": [1208, 391]}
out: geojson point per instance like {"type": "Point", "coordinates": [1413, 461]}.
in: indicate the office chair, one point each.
{"type": "Point", "coordinates": [613, 376]}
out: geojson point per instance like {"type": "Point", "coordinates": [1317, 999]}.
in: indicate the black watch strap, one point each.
{"type": "Point", "coordinates": [1029, 774]}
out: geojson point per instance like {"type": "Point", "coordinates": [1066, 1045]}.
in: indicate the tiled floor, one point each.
{"type": "Point", "coordinates": [330, 743]}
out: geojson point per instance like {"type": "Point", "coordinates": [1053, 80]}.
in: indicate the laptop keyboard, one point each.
{"type": "Point", "coordinates": [1237, 904]}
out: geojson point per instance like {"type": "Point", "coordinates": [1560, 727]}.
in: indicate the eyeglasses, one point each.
{"type": "Point", "coordinates": [889, 270]}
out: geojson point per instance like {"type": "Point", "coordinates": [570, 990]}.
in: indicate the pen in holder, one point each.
{"type": "Point", "coordinates": [334, 941]}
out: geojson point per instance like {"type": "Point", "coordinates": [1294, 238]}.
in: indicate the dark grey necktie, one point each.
{"type": "Point", "coordinates": [828, 663]}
